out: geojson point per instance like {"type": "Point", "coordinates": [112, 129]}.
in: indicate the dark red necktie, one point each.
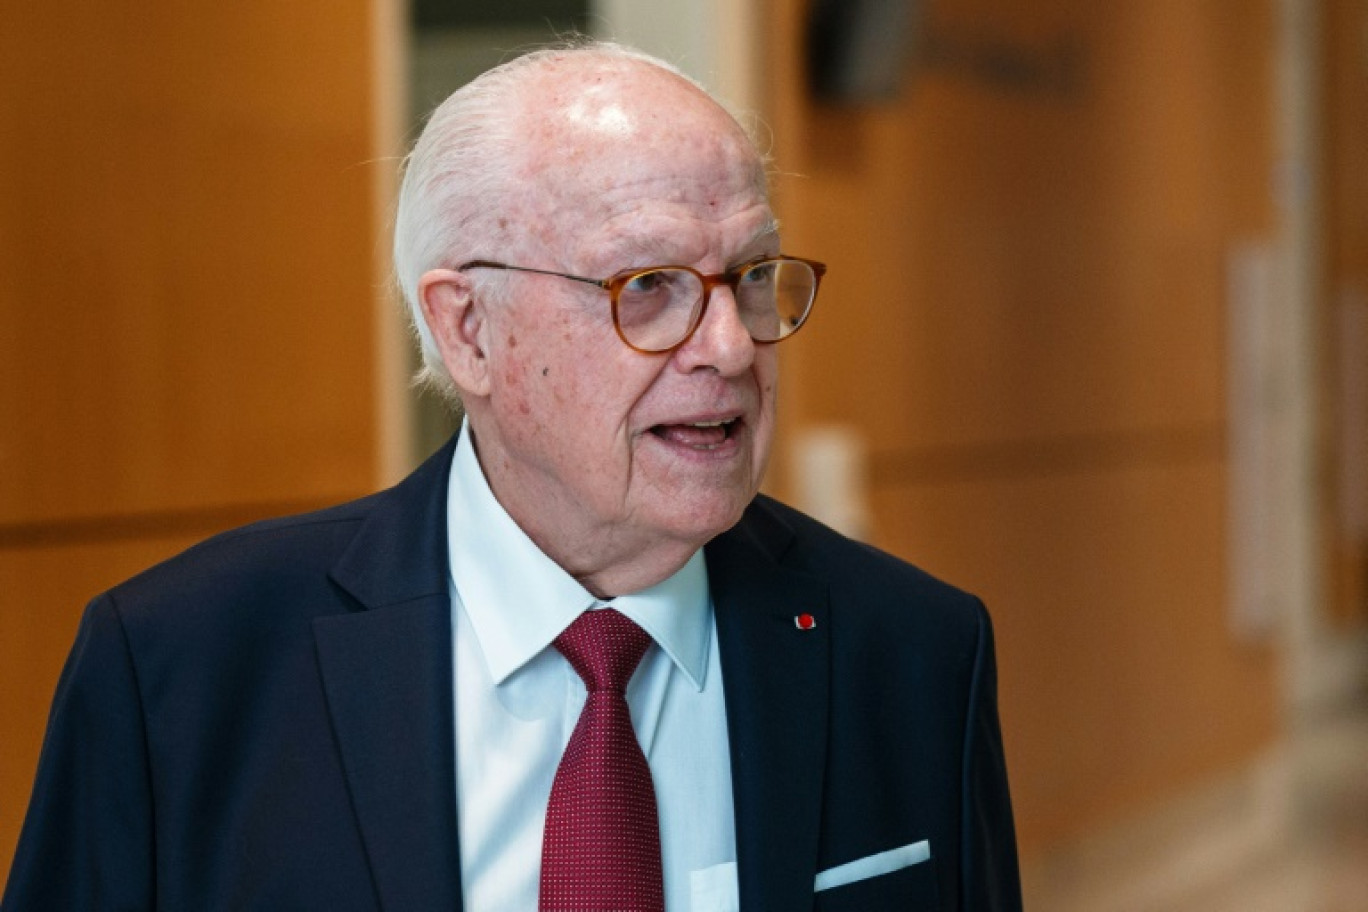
{"type": "Point", "coordinates": [601, 847]}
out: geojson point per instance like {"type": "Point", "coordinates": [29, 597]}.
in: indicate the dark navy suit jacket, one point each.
{"type": "Point", "coordinates": [265, 722]}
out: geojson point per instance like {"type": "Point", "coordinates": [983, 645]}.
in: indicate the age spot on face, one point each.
{"type": "Point", "coordinates": [545, 371]}
{"type": "Point", "coordinates": [512, 341]}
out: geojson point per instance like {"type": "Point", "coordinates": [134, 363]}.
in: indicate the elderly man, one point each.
{"type": "Point", "coordinates": [572, 662]}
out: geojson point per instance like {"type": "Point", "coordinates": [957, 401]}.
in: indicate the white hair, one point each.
{"type": "Point", "coordinates": [459, 171]}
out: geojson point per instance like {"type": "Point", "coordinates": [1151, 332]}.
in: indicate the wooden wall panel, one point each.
{"type": "Point", "coordinates": [972, 226]}
{"type": "Point", "coordinates": [1118, 674]}
{"type": "Point", "coordinates": [186, 273]}
{"type": "Point", "coordinates": [188, 284]}
{"type": "Point", "coordinates": [1345, 307]}
{"type": "Point", "coordinates": [1024, 320]}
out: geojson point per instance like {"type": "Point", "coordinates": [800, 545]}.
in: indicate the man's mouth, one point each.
{"type": "Point", "coordinates": [699, 435]}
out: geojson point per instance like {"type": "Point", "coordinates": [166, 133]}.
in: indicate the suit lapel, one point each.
{"type": "Point", "coordinates": [776, 684]}
{"type": "Point", "coordinates": [388, 678]}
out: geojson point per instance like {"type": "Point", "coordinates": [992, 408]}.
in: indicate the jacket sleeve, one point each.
{"type": "Point", "coordinates": [88, 840]}
{"type": "Point", "coordinates": [990, 881]}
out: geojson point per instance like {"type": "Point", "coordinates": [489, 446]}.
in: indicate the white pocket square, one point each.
{"type": "Point", "coordinates": [874, 865]}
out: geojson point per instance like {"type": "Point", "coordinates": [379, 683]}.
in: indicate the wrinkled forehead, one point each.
{"type": "Point", "coordinates": [601, 138]}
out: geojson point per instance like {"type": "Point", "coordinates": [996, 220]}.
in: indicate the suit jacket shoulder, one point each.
{"type": "Point", "coordinates": [243, 570]}
{"type": "Point", "coordinates": [889, 589]}
{"type": "Point", "coordinates": [262, 721]}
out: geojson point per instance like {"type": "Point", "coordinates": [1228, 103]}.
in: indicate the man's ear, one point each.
{"type": "Point", "coordinates": [458, 324]}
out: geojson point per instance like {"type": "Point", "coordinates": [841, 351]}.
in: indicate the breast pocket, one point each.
{"type": "Point", "coordinates": [911, 889]}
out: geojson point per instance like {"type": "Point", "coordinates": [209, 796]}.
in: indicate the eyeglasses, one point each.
{"type": "Point", "coordinates": [657, 309]}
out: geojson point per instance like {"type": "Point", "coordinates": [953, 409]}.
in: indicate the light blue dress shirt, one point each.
{"type": "Point", "coordinates": [517, 700]}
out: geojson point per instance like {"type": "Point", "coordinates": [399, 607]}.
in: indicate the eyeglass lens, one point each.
{"type": "Point", "coordinates": [657, 309]}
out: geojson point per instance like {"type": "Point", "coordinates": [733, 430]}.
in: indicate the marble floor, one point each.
{"type": "Point", "coordinates": [1289, 836]}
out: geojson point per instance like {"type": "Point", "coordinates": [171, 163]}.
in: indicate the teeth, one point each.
{"type": "Point", "coordinates": [708, 424]}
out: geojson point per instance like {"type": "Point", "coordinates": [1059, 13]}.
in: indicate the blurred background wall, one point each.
{"type": "Point", "coordinates": [191, 240]}
{"type": "Point", "coordinates": [1094, 345]}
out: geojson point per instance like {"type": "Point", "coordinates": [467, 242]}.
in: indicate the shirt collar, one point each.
{"type": "Point", "coordinates": [518, 600]}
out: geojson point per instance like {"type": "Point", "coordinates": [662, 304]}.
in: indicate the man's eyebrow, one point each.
{"type": "Point", "coordinates": [764, 233]}
{"type": "Point", "coordinates": [645, 251]}
{"type": "Point", "coordinates": [764, 236]}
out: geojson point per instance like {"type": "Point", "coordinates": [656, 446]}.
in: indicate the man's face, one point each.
{"type": "Point", "coordinates": [590, 445]}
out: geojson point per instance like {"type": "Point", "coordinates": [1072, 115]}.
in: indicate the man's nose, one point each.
{"type": "Point", "coordinates": [721, 341]}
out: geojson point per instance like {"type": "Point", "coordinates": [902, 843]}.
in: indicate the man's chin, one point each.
{"type": "Point", "coordinates": [698, 520]}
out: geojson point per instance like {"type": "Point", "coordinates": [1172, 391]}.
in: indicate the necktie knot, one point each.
{"type": "Point", "coordinates": [604, 647]}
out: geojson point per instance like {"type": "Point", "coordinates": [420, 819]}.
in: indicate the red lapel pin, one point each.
{"type": "Point", "coordinates": [804, 621]}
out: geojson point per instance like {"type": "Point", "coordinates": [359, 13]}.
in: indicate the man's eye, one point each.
{"type": "Point", "coordinates": [760, 274]}
{"type": "Point", "coordinates": [645, 283]}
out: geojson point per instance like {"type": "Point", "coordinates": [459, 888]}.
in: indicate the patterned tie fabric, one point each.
{"type": "Point", "coordinates": [601, 848]}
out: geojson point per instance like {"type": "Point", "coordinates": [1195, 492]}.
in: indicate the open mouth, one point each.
{"type": "Point", "coordinates": [699, 435]}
